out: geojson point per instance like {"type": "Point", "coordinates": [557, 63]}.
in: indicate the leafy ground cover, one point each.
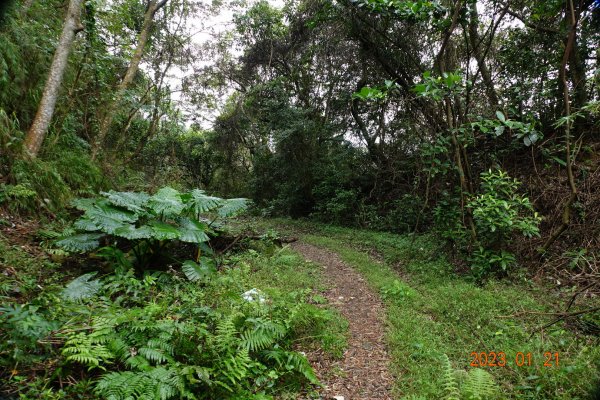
{"type": "Point", "coordinates": [120, 335]}
{"type": "Point", "coordinates": [432, 313]}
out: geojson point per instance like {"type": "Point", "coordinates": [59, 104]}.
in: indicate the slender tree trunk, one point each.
{"type": "Point", "coordinates": [39, 127]}
{"type": "Point", "coordinates": [153, 7]}
{"type": "Point", "coordinates": [562, 74]}
{"type": "Point", "coordinates": [476, 42]}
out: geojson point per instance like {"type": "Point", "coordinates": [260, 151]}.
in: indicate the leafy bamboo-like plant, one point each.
{"type": "Point", "coordinates": [148, 223]}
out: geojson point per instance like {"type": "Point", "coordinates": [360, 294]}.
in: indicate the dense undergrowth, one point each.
{"type": "Point", "coordinates": [433, 312]}
{"type": "Point", "coordinates": [158, 335]}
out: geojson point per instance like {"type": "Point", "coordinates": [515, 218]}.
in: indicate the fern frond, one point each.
{"type": "Point", "coordinates": [449, 382]}
{"type": "Point", "coordinates": [82, 287]}
{"type": "Point", "coordinates": [226, 332]}
{"type": "Point", "coordinates": [82, 349]}
{"type": "Point", "coordinates": [119, 348]}
{"type": "Point", "coordinates": [235, 367]}
{"type": "Point", "coordinates": [161, 344]}
{"type": "Point", "coordinates": [480, 385]}
{"type": "Point", "coordinates": [156, 384]}
{"type": "Point", "coordinates": [138, 363]}
{"type": "Point", "coordinates": [292, 361]}
{"type": "Point", "coordinates": [262, 334]}
{"type": "Point", "coordinates": [155, 355]}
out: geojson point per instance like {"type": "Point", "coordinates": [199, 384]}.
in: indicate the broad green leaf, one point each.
{"type": "Point", "coordinates": [232, 207]}
{"type": "Point", "coordinates": [81, 288]}
{"type": "Point", "coordinates": [84, 204]}
{"type": "Point", "coordinates": [164, 231]}
{"type": "Point", "coordinates": [132, 232]}
{"type": "Point", "coordinates": [199, 271]}
{"type": "Point", "coordinates": [109, 217]}
{"type": "Point", "coordinates": [500, 116]}
{"type": "Point", "coordinates": [192, 231]}
{"type": "Point", "coordinates": [198, 202]}
{"type": "Point", "coordinates": [499, 130]}
{"type": "Point", "coordinates": [86, 224]}
{"type": "Point", "coordinates": [167, 201]}
{"type": "Point", "coordinates": [81, 242]}
{"type": "Point", "coordinates": [133, 201]}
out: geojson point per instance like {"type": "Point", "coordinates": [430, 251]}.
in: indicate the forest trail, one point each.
{"type": "Point", "coordinates": [363, 372]}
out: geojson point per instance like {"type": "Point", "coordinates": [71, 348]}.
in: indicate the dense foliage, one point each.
{"type": "Point", "coordinates": [389, 115]}
{"type": "Point", "coordinates": [474, 121]}
{"type": "Point", "coordinates": [159, 335]}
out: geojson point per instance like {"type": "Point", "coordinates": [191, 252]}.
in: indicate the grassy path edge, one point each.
{"type": "Point", "coordinates": [438, 315]}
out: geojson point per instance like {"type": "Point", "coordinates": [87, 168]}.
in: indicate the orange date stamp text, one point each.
{"type": "Point", "coordinates": [520, 359]}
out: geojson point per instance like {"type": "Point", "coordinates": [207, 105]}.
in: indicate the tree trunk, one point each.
{"type": "Point", "coordinates": [134, 64]}
{"type": "Point", "coordinates": [39, 127]}
{"type": "Point", "coordinates": [476, 42]}
{"type": "Point", "coordinates": [562, 76]}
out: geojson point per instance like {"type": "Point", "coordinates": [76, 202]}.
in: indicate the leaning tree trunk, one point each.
{"type": "Point", "coordinates": [134, 64]}
{"type": "Point", "coordinates": [39, 127]}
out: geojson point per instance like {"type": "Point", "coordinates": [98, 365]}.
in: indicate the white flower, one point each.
{"type": "Point", "coordinates": [254, 295]}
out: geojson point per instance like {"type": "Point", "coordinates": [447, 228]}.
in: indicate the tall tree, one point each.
{"type": "Point", "coordinates": [39, 127]}
{"type": "Point", "coordinates": [152, 8]}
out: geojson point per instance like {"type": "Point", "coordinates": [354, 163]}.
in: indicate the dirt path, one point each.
{"type": "Point", "coordinates": [363, 372]}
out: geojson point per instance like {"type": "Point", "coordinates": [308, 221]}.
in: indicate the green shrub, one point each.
{"type": "Point", "coordinates": [147, 224]}
{"type": "Point", "coordinates": [499, 212]}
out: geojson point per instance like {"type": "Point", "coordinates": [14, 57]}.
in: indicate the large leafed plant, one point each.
{"type": "Point", "coordinates": [146, 223]}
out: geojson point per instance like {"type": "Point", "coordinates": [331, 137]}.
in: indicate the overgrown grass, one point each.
{"type": "Point", "coordinates": [431, 312]}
